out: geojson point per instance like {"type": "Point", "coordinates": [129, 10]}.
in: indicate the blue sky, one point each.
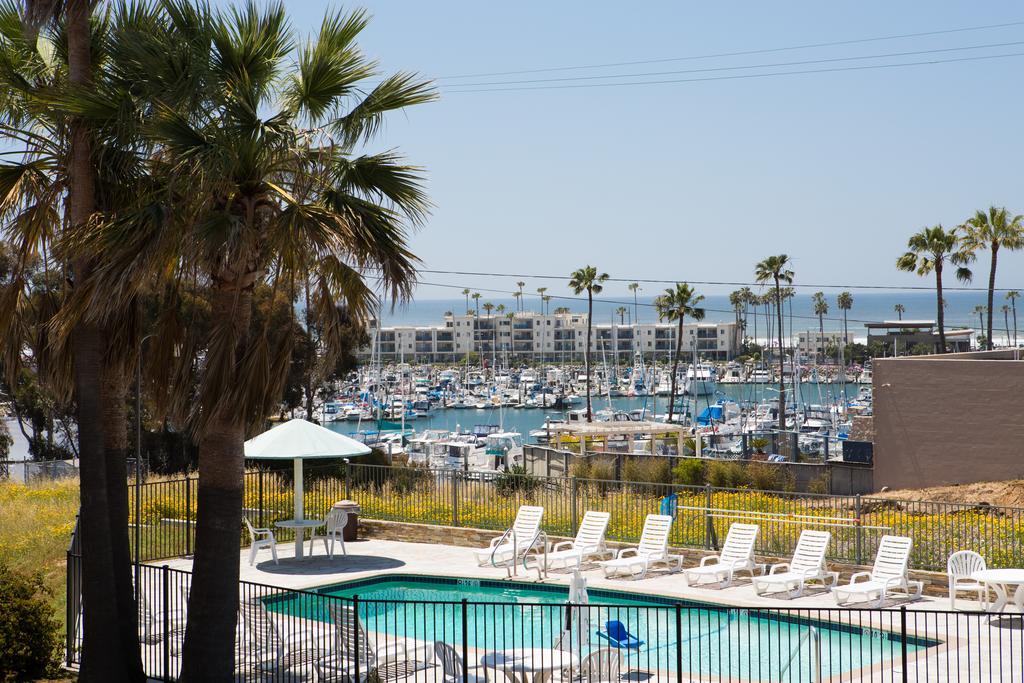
{"type": "Point", "coordinates": [698, 181]}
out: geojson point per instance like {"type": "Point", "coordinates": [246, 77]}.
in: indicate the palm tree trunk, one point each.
{"type": "Point", "coordinates": [1006, 322]}
{"type": "Point", "coordinates": [110, 650]}
{"type": "Point", "coordinates": [940, 317]}
{"type": "Point", "coordinates": [991, 294]}
{"type": "Point", "coordinates": [782, 361]}
{"type": "Point", "coordinates": [1013, 307]}
{"type": "Point", "coordinates": [675, 369]}
{"type": "Point", "coordinates": [115, 436]}
{"type": "Point", "coordinates": [586, 353]}
{"type": "Point", "coordinates": [209, 647]}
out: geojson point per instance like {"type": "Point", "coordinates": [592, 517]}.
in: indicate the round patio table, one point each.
{"type": "Point", "coordinates": [1002, 582]}
{"type": "Point", "coordinates": [538, 662]}
{"type": "Point", "coordinates": [300, 526]}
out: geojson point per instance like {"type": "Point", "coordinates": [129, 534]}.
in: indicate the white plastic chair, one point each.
{"type": "Point", "coordinates": [452, 665]}
{"type": "Point", "coordinates": [260, 538]}
{"type": "Point", "coordinates": [372, 654]}
{"type": "Point", "coordinates": [888, 573]}
{"type": "Point", "coordinates": [652, 550]}
{"type": "Point", "coordinates": [959, 568]}
{"type": "Point", "coordinates": [334, 530]}
{"type": "Point", "coordinates": [737, 555]}
{"type": "Point", "coordinates": [589, 542]}
{"type": "Point", "coordinates": [526, 532]}
{"type": "Point", "coordinates": [601, 666]}
{"type": "Point", "coordinates": [808, 564]}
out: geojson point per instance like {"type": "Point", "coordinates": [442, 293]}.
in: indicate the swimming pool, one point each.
{"type": "Point", "coordinates": [699, 638]}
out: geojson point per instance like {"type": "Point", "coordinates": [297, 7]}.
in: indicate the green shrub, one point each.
{"type": "Point", "coordinates": [819, 484]}
{"type": "Point", "coordinates": [593, 467]}
{"type": "Point", "coordinates": [647, 470]}
{"type": "Point", "coordinates": [689, 472]}
{"type": "Point", "coordinates": [764, 477]}
{"type": "Point", "coordinates": [758, 445]}
{"type": "Point", "coordinates": [29, 630]}
{"type": "Point", "coordinates": [726, 475]}
{"type": "Point", "coordinates": [516, 480]}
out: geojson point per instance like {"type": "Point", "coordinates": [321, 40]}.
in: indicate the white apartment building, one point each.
{"type": "Point", "coordinates": [557, 337]}
{"type": "Point", "coordinates": [811, 344]}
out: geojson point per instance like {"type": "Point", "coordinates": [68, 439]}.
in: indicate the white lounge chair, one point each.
{"type": "Point", "coordinates": [265, 647]}
{"type": "Point", "coordinates": [737, 555]}
{"type": "Point", "coordinates": [889, 573]}
{"type": "Point", "coordinates": [959, 568]}
{"type": "Point", "coordinates": [589, 542]}
{"type": "Point", "coordinates": [334, 530]}
{"type": "Point", "coordinates": [652, 550]}
{"type": "Point", "coordinates": [514, 543]}
{"type": "Point", "coordinates": [808, 564]}
{"type": "Point", "coordinates": [371, 655]}
{"type": "Point", "coordinates": [260, 538]}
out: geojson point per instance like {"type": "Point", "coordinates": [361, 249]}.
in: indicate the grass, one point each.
{"type": "Point", "coordinates": [36, 521]}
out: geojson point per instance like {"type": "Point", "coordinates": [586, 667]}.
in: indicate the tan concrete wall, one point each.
{"type": "Point", "coordinates": [952, 419]}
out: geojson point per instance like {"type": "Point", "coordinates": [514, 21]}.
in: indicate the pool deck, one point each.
{"type": "Point", "coordinates": [957, 658]}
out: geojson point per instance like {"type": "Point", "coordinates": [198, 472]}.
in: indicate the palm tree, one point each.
{"type": "Point", "coordinates": [900, 310]}
{"type": "Point", "coordinates": [845, 302]}
{"type": "Point", "coordinates": [994, 229]}
{"type": "Point", "coordinates": [1012, 297]}
{"type": "Point", "coordinates": [820, 310]}
{"type": "Point", "coordinates": [48, 49]}
{"type": "Point", "coordinates": [488, 307]}
{"type": "Point", "coordinates": [560, 310]}
{"type": "Point", "coordinates": [634, 287]}
{"type": "Point", "coordinates": [465, 293]}
{"type": "Point", "coordinates": [621, 311]}
{"type": "Point", "coordinates": [499, 309]}
{"type": "Point", "coordinates": [928, 251]}
{"type": "Point", "coordinates": [1006, 321]}
{"type": "Point", "coordinates": [587, 279]}
{"type": "Point", "coordinates": [520, 285]}
{"type": "Point", "coordinates": [674, 305]}
{"type": "Point", "coordinates": [540, 291]}
{"type": "Point", "coordinates": [546, 301]}
{"type": "Point", "coordinates": [519, 300]}
{"type": "Point", "coordinates": [776, 269]}
{"type": "Point", "coordinates": [267, 187]}
{"type": "Point", "coordinates": [980, 312]}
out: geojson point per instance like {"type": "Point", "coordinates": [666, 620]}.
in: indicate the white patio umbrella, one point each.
{"type": "Point", "coordinates": [299, 440]}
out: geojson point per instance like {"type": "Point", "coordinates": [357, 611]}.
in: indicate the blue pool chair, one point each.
{"type": "Point", "coordinates": [669, 505]}
{"type": "Point", "coordinates": [617, 636]}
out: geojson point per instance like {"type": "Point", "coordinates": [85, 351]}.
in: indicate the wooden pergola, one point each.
{"type": "Point", "coordinates": [603, 431]}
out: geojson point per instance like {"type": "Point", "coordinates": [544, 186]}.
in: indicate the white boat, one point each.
{"type": "Point", "coordinates": [501, 451]}
{"type": "Point", "coordinates": [701, 379]}
{"type": "Point", "coordinates": [760, 376]}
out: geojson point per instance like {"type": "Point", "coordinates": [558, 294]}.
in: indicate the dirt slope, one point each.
{"type": "Point", "coordinates": [1002, 493]}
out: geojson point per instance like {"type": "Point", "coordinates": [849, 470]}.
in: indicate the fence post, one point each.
{"type": "Point", "coordinates": [903, 641]}
{"type": "Point", "coordinates": [465, 644]}
{"type": "Point", "coordinates": [165, 573]}
{"type": "Point", "coordinates": [69, 617]}
{"type": "Point", "coordinates": [709, 529]}
{"type": "Point", "coordinates": [259, 495]}
{"type": "Point", "coordinates": [188, 514]}
{"type": "Point", "coordinates": [355, 633]}
{"type": "Point", "coordinates": [794, 446]}
{"type": "Point", "coordinates": [348, 478]}
{"type": "Point", "coordinates": [572, 504]}
{"type": "Point", "coordinates": [679, 643]}
{"type": "Point", "coordinates": [859, 549]}
{"type": "Point", "coordinates": [745, 448]}
{"type": "Point", "coordinates": [455, 498]}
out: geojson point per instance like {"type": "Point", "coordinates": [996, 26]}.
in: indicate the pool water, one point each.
{"type": "Point", "coordinates": [702, 638]}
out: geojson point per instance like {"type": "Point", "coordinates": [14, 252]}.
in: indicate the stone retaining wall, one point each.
{"type": "Point", "coordinates": [935, 584]}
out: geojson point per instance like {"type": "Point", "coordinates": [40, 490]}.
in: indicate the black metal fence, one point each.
{"type": "Point", "coordinates": [386, 630]}
{"type": "Point", "coordinates": [166, 511]}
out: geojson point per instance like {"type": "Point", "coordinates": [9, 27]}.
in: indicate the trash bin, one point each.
{"type": "Point", "coordinates": [351, 532]}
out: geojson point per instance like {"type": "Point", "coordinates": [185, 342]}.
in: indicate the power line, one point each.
{"type": "Point", "coordinates": [801, 72]}
{"type": "Point", "coordinates": [724, 283]}
{"type": "Point", "coordinates": [740, 53]}
{"type": "Point", "coordinates": [829, 60]}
